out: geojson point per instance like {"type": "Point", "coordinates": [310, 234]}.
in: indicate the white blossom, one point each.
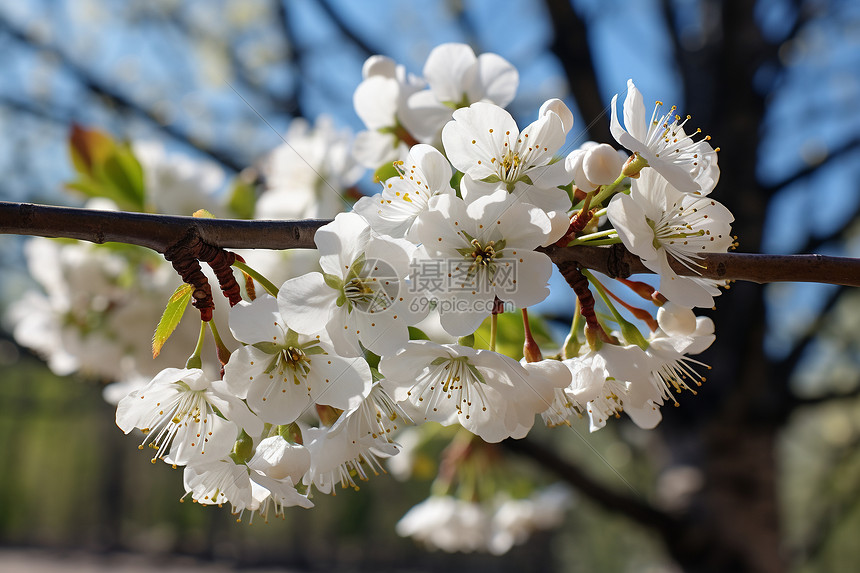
{"type": "Point", "coordinates": [593, 165]}
{"type": "Point", "coordinates": [425, 174]}
{"type": "Point", "coordinates": [339, 457]}
{"type": "Point", "coordinates": [446, 523]}
{"type": "Point", "coordinates": [380, 102]}
{"type": "Point", "coordinates": [656, 221]}
{"type": "Point", "coordinates": [176, 184]}
{"type": "Point", "coordinates": [690, 165]}
{"type": "Point", "coordinates": [457, 78]}
{"type": "Point", "coordinates": [361, 296]}
{"type": "Point", "coordinates": [225, 481]}
{"type": "Point", "coordinates": [486, 250]}
{"type": "Point", "coordinates": [177, 413]}
{"type": "Point", "coordinates": [485, 143]}
{"type": "Point", "coordinates": [487, 393]}
{"type": "Point", "coordinates": [306, 176]}
{"type": "Point", "coordinates": [283, 373]}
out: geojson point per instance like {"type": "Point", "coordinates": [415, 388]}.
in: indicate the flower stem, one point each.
{"type": "Point", "coordinates": [595, 243]}
{"type": "Point", "coordinates": [628, 330]}
{"type": "Point", "coordinates": [194, 360]}
{"type": "Point", "coordinates": [267, 284]}
{"type": "Point", "coordinates": [597, 235]}
{"type": "Point", "coordinates": [572, 343]}
{"type": "Point", "coordinates": [607, 190]}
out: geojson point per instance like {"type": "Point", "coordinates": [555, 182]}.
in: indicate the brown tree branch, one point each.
{"type": "Point", "coordinates": [161, 232]}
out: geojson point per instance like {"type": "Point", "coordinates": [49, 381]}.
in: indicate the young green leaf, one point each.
{"type": "Point", "coordinates": [171, 317]}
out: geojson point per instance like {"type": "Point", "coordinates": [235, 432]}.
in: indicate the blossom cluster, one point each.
{"type": "Point", "coordinates": [394, 320]}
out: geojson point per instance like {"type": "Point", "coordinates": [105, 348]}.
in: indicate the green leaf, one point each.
{"type": "Point", "coordinates": [93, 188]}
{"type": "Point", "coordinates": [242, 200]}
{"type": "Point", "coordinates": [455, 182]}
{"type": "Point", "coordinates": [88, 148]}
{"type": "Point", "coordinates": [134, 173]}
{"type": "Point", "coordinates": [171, 317]}
{"type": "Point", "coordinates": [202, 214]}
{"type": "Point", "coordinates": [118, 173]}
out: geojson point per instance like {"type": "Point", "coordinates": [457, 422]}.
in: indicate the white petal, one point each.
{"type": "Point", "coordinates": [634, 112]}
{"type": "Point", "coordinates": [373, 149]}
{"type": "Point", "coordinates": [573, 164]}
{"type": "Point", "coordinates": [447, 66]}
{"type": "Point", "coordinates": [245, 365]}
{"type": "Point", "coordinates": [339, 382]}
{"type": "Point", "coordinates": [378, 66]}
{"type": "Point", "coordinates": [559, 108]}
{"type": "Point", "coordinates": [540, 140]}
{"type": "Point", "coordinates": [560, 221]}
{"type": "Point", "coordinates": [602, 164]}
{"type": "Point", "coordinates": [375, 100]}
{"type": "Point", "coordinates": [629, 220]}
{"type": "Point", "coordinates": [341, 242]}
{"type": "Point", "coordinates": [489, 126]}
{"type": "Point", "coordinates": [307, 303]}
{"type": "Point", "coordinates": [425, 116]}
{"type": "Point", "coordinates": [532, 272]}
{"type": "Point", "coordinates": [458, 322]}
{"type": "Point", "coordinates": [497, 80]}
{"type": "Point", "coordinates": [257, 321]}
{"type": "Point", "coordinates": [676, 319]}
{"type": "Point", "coordinates": [233, 408]}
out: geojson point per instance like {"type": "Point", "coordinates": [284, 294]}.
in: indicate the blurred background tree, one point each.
{"type": "Point", "coordinates": [759, 472]}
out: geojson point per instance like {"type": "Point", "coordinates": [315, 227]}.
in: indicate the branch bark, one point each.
{"type": "Point", "coordinates": [161, 232]}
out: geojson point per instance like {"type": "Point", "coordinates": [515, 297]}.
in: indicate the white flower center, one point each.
{"type": "Point", "coordinates": [367, 295]}
{"type": "Point", "coordinates": [188, 407]}
{"type": "Point", "coordinates": [451, 379]}
{"type": "Point", "coordinates": [669, 141]}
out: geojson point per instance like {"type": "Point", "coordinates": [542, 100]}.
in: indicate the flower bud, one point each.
{"type": "Point", "coordinates": [602, 165]}
{"type": "Point", "coordinates": [573, 164]}
{"type": "Point", "coordinates": [378, 66]}
{"type": "Point", "coordinates": [531, 350]}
